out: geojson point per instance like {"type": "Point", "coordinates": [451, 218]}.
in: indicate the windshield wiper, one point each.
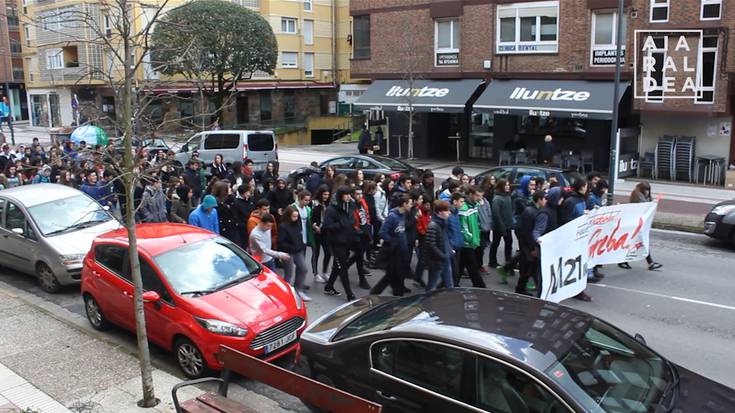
{"type": "Point", "coordinates": [233, 282]}
{"type": "Point", "coordinates": [198, 292]}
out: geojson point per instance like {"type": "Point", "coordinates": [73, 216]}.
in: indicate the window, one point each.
{"type": "Point", "coordinates": [71, 56]}
{"type": "Point", "coordinates": [289, 60]}
{"type": "Point", "coordinates": [151, 280]}
{"type": "Point", "coordinates": [11, 13]}
{"type": "Point", "coordinates": [288, 25]}
{"type": "Point", "coordinates": [308, 31]}
{"type": "Point", "coordinates": [111, 257]}
{"type": "Point", "coordinates": [711, 9]}
{"type": "Point", "coordinates": [604, 38]}
{"type": "Point", "coordinates": [54, 58]}
{"type": "Point", "coordinates": [108, 26]}
{"type": "Point", "coordinates": [15, 46]}
{"type": "Point", "coordinates": [16, 219]}
{"type": "Point", "coordinates": [222, 141]}
{"type": "Point", "coordinates": [655, 93]}
{"type": "Point", "coordinates": [446, 42]}
{"type": "Point", "coordinates": [308, 5]}
{"type": "Point", "coordinates": [708, 69]}
{"type": "Point", "coordinates": [361, 37]}
{"type": "Point", "coordinates": [499, 389]}
{"type": "Point", "coordinates": [659, 11]}
{"type": "Point", "coordinates": [24, 3]}
{"type": "Point", "coordinates": [431, 366]}
{"type": "Point", "coordinates": [266, 107]}
{"type": "Point", "coordinates": [344, 163]}
{"type": "Point", "coordinates": [27, 33]}
{"type": "Point", "coordinates": [528, 28]}
{"type": "Point", "coordinates": [289, 104]}
{"type": "Point", "coordinates": [260, 142]}
{"type": "Point", "coordinates": [308, 64]}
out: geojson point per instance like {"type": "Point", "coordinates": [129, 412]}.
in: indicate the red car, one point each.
{"type": "Point", "coordinates": [201, 291]}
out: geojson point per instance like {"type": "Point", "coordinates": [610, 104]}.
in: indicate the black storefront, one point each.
{"type": "Point", "coordinates": [441, 108]}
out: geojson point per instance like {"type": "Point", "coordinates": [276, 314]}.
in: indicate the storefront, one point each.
{"type": "Point", "coordinates": [50, 107]}
{"type": "Point", "coordinates": [576, 114]}
{"type": "Point", "coordinates": [440, 108]}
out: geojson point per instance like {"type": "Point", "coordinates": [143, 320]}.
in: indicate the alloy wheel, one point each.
{"type": "Point", "coordinates": [190, 359]}
{"type": "Point", "coordinates": [94, 314]}
{"type": "Point", "coordinates": [47, 279]}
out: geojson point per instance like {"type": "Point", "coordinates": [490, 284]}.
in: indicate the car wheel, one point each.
{"type": "Point", "coordinates": [47, 279]}
{"type": "Point", "coordinates": [190, 359]}
{"type": "Point", "coordinates": [94, 313]}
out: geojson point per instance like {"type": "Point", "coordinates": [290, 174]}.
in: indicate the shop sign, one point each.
{"type": "Point", "coordinates": [606, 57]}
{"type": "Point", "coordinates": [447, 59]}
{"type": "Point", "coordinates": [627, 166]}
{"type": "Point", "coordinates": [426, 91]}
{"type": "Point", "coordinates": [559, 94]}
{"type": "Point", "coordinates": [669, 63]}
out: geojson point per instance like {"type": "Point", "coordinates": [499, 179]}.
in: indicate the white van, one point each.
{"type": "Point", "coordinates": [233, 145]}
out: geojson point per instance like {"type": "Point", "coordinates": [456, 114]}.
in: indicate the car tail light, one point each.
{"type": "Point", "coordinates": [245, 152]}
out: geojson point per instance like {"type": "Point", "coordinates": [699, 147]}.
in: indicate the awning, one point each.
{"type": "Point", "coordinates": [581, 99]}
{"type": "Point", "coordinates": [422, 95]}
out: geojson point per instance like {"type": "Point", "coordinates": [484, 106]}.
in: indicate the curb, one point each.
{"type": "Point", "coordinates": [674, 226]}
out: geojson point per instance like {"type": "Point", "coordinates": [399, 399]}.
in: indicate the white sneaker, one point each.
{"type": "Point", "coordinates": [320, 278]}
{"type": "Point", "coordinates": [304, 297]}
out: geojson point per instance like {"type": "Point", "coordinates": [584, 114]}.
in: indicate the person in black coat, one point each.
{"type": "Point", "coordinates": [218, 168]}
{"type": "Point", "coordinates": [340, 226]}
{"type": "Point", "coordinates": [366, 141]}
{"type": "Point", "coordinates": [280, 198]}
{"type": "Point", "coordinates": [227, 226]}
{"type": "Point", "coordinates": [291, 241]}
{"type": "Point", "coordinates": [435, 249]}
{"type": "Point", "coordinates": [192, 180]}
{"type": "Point", "coordinates": [242, 206]}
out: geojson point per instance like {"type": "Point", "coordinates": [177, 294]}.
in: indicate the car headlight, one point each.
{"type": "Point", "coordinates": [297, 297]}
{"type": "Point", "coordinates": [723, 209]}
{"type": "Point", "coordinates": [221, 327]}
{"type": "Point", "coordinates": [71, 259]}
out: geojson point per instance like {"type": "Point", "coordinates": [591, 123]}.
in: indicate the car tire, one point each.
{"type": "Point", "coordinates": [94, 313]}
{"type": "Point", "coordinates": [46, 278]}
{"type": "Point", "coordinates": [190, 359]}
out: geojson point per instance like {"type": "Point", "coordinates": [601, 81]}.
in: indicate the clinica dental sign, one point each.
{"type": "Point", "coordinates": [669, 65]}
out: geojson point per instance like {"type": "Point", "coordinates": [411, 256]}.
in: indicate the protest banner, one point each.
{"type": "Point", "coordinates": [607, 235]}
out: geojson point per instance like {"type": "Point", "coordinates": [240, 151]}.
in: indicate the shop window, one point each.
{"type": "Point", "coordinates": [289, 60]}
{"type": "Point", "coordinates": [27, 33]}
{"type": "Point", "coordinates": [711, 10]}
{"type": "Point", "coordinates": [289, 104]}
{"type": "Point", "coordinates": [655, 93]}
{"type": "Point", "coordinates": [308, 64]}
{"type": "Point", "coordinates": [528, 27]}
{"type": "Point", "coordinates": [361, 37]}
{"type": "Point", "coordinates": [308, 32]}
{"type": "Point", "coordinates": [708, 70]}
{"type": "Point", "coordinates": [604, 38]}
{"type": "Point", "coordinates": [481, 136]}
{"type": "Point", "coordinates": [446, 42]}
{"type": "Point", "coordinates": [54, 58]}
{"type": "Point", "coordinates": [288, 25]}
{"type": "Point", "coordinates": [659, 11]}
{"type": "Point", "coordinates": [266, 107]}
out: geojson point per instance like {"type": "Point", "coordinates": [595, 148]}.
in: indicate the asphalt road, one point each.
{"type": "Point", "coordinates": [685, 310]}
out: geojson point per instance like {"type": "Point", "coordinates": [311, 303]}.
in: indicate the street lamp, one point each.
{"type": "Point", "coordinates": [616, 97]}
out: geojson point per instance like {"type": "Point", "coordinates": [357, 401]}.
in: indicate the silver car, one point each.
{"type": "Point", "coordinates": [46, 229]}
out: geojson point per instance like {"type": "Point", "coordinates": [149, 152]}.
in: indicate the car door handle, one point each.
{"type": "Point", "coordinates": [385, 396]}
{"type": "Point", "coordinates": [127, 294]}
{"type": "Point", "coordinates": [96, 274]}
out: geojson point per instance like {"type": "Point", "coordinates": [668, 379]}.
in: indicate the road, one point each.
{"type": "Point", "coordinates": [684, 311]}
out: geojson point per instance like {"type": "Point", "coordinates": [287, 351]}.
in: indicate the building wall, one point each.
{"type": "Point", "coordinates": [656, 126]}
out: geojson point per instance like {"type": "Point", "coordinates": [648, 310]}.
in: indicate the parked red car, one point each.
{"type": "Point", "coordinates": [201, 291]}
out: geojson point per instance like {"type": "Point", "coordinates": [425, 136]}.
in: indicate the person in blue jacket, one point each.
{"type": "Point", "coordinates": [454, 232]}
{"type": "Point", "coordinates": [205, 215]}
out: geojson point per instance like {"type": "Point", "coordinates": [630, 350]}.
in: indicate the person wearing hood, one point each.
{"type": "Point", "coordinates": [531, 225]}
{"type": "Point", "coordinates": [181, 204]}
{"type": "Point", "coordinates": [153, 204]}
{"type": "Point", "coordinates": [43, 177]}
{"type": "Point", "coordinates": [521, 199]}
{"type": "Point", "coordinates": [446, 194]}
{"type": "Point", "coordinates": [470, 226]}
{"type": "Point", "coordinates": [242, 206]}
{"type": "Point", "coordinates": [280, 197]}
{"type": "Point", "coordinates": [393, 234]}
{"type": "Point", "coordinates": [205, 215]}
{"type": "Point", "coordinates": [502, 209]}
{"type": "Point", "coordinates": [436, 250]}
{"type": "Point", "coordinates": [339, 225]}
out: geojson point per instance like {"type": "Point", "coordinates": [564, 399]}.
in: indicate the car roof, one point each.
{"type": "Point", "coordinates": [156, 239]}
{"type": "Point", "coordinates": [36, 194]}
{"type": "Point", "coordinates": [533, 331]}
{"type": "Point", "coordinates": [539, 167]}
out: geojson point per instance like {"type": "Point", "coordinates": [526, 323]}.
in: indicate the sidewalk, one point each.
{"type": "Point", "coordinates": [18, 394]}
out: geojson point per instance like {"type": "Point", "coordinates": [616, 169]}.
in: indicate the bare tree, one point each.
{"type": "Point", "coordinates": [410, 68]}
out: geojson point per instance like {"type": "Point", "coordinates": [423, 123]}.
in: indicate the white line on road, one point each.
{"type": "Point", "coordinates": [671, 297]}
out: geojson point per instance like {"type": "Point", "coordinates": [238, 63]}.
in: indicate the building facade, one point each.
{"type": "Point", "coordinates": [517, 49]}
{"type": "Point", "coordinates": [11, 62]}
{"type": "Point", "coordinates": [62, 81]}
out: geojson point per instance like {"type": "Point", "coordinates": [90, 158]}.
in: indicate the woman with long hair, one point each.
{"type": "Point", "coordinates": [291, 241]}
{"type": "Point", "coordinates": [321, 202]}
{"type": "Point", "coordinates": [642, 193]}
{"type": "Point", "coordinates": [222, 192]}
{"type": "Point", "coordinates": [271, 172]}
{"type": "Point", "coordinates": [339, 181]}
{"type": "Point", "coordinates": [218, 168]}
{"type": "Point", "coordinates": [502, 212]}
{"type": "Point", "coordinates": [329, 175]}
{"type": "Point", "coordinates": [488, 187]}
{"type": "Point", "coordinates": [181, 204]}
{"type": "Point", "coordinates": [358, 178]}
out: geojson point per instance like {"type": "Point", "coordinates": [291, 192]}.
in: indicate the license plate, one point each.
{"type": "Point", "coordinates": [270, 347]}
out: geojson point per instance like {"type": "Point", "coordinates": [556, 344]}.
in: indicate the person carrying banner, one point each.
{"type": "Point", "coordinates": [574, 206]}
{"type": "Point", "coordinates": [642, 193]}
{"type": "Point", "coordinates": [531, 225]}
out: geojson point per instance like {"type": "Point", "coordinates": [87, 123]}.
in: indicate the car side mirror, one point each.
{"type": "Point", "coordinates": [151, 297]}
{"type": "Point", "coordinates": [19, 231]}
{"type": "Point", "coordinates": [639, 338]}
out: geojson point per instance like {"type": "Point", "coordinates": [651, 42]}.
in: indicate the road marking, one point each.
{"type": "Point", "coordinates": [671, 297]}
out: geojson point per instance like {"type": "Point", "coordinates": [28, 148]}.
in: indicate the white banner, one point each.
{"type": "Point", "coordinates": [608, 235]}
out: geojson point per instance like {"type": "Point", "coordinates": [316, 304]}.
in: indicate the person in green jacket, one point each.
{"type": "Point", "coordinates": [469, 224]}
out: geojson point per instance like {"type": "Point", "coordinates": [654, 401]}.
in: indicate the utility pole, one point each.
{"type": "Point", "coordinates": [616, 97]}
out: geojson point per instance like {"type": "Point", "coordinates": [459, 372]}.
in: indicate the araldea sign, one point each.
{"type": "Point", "coordinates": [668, 64]}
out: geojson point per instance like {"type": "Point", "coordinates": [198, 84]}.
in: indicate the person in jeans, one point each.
{"type": "Point", "coordinates": [339, 225]}
{"type": "Point", "coordinates": [502, 209]}
{"type": "Point", "coordinates": [469, 223]}
{"type": "Point", "coordinates": [291, 241]}
{"type": "Point", "coordinates": [642, 193]}
{"type": "Point", "coordinates": [321, 202]}
{"type": "Point", "coordinates": [393, 234]}
{"type": "Point", "coordinates": [436, 249]}
{"type": "Point", "coordinates": [260, 242]}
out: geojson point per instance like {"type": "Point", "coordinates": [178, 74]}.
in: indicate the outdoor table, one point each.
{"type": "Point", "coordinates": [712, 168]}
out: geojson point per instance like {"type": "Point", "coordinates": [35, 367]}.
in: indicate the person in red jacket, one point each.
{"type": "Point", "coordinates": [422, 224]}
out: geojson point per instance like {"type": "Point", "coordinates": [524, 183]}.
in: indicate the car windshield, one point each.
{"type": "Point", "coordinates": [206, 266]}
{"type": "Point", "coordinates": [383, 317]}
{"type": "Point", "coordinates": [570, 177]}
{"type": "Point", "coordinates": [68, 214]}
{"type": "Point", "coordinates": [392, 163]}
{"type": "Point", "coordinates": [608, 372]}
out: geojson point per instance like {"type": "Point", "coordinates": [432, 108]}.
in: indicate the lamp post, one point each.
{"type": "Point", "coordinates": [616, 97]}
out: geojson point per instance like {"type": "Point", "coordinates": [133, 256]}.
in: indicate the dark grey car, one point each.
{"type": "Point", "coordinates": [720, 222]}
{"type": "Point", "coordinates": [478, 350]}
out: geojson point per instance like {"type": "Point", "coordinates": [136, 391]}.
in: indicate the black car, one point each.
{"type": "Point", "coordinates": [371, 165]}
{"type": "Point", "coordinates": [514, 173]}
{"type": "Point", "coordinates": [479, 350]}
{"type": "Point", "coordinates": [720, 222]}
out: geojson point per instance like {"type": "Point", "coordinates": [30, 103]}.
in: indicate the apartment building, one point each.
{"type": "Point", "coordinates": [11, 63]}
{"type": "Point", "coordinates": [310, 66]}
{"type": "Point", "coordinates": [487, 70]}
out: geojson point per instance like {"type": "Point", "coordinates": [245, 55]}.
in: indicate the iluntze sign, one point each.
{"type": "Point", "coordinates": [607, 235]}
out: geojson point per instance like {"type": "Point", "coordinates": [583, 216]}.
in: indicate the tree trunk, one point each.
{"type": "Point", "coordinates": [129, 179]}
{"type": "Point", "coordinates": [410, 132]}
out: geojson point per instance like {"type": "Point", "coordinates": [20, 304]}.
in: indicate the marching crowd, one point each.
{"type": "Point", "coordinates": [453, 228]}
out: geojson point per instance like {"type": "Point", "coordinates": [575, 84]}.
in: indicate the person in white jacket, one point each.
{"type": "Point", "coordinates": [260, 243]}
